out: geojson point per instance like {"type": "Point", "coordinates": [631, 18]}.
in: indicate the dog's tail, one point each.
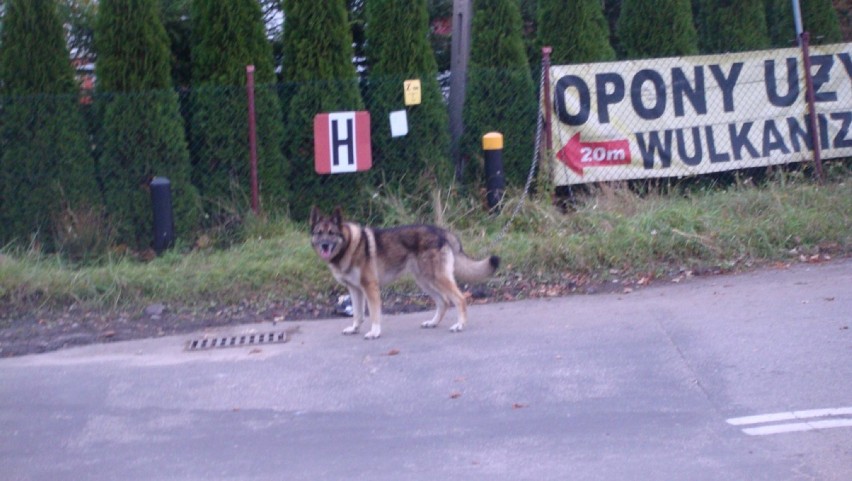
{"type": "Point", "coordinates": [472, 270]}
{"type": "Point", "coordinates": [467, 269]}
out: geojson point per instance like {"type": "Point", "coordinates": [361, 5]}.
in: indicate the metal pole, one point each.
{"type": "Point", "coordinates": [812, 114]}
{"type": "Point", "coordinates": [545, 67]}
{"type": "Point", "coordinates": [252, 124]}
{"type": "Point", "coordinates": [459, 56]}
{"type": "Point", "coordinates": [797, 19]}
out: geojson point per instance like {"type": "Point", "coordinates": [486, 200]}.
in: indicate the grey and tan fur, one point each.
{"type": "Point", "coordinates": [364, 259]}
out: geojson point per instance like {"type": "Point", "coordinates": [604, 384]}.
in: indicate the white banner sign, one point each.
{"type": "Point", "coordinates": [694, 115]}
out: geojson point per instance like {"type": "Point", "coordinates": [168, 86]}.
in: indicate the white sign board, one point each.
{"type": "Point", "coordinates": [694, 115]}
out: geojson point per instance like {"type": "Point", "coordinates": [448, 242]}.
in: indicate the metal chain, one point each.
{"type": "Point", "coordinates": [535, 159]}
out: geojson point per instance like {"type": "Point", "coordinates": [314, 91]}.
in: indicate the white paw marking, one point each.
{"type": "Point", "coordinates": [373, 334]}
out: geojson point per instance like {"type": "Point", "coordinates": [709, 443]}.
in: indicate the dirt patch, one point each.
{"type": "Point", "coordinates": [28, 329]}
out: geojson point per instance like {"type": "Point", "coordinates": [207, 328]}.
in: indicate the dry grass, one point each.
{"type": "Point", "coordinates": [610, 228]}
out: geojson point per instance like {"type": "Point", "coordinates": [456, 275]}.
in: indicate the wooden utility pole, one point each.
{"type": "Point", "coordinates": [459, 56]}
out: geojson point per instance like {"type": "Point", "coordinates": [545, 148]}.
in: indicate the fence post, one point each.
{"type": "Point", "coordinates": [545, 71]}
{"type": "Point", "coordinates": [459, 57]}
{"type": "Point", "coordinates": [252, 132]}
{"type": "Point", "coordinates": [161, 203]}
{"type": "Point", "coordinates": [810, 97]}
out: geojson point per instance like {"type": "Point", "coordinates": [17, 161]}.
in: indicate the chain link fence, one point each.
{"type": "Point", "coordinates": [672, 117]}
{"type": "Point", "coordinates": [198, 138]}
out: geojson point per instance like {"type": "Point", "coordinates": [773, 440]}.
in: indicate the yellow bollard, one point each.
{"type": "Point", "coordinates": [495, 178]}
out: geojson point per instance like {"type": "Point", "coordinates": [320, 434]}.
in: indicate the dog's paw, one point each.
{"type": "Point", "coordinates": [373, 334]}
{"type": "Point", "coordinates": [350, 330]}
{"type": "Point", "coordinates": [457, 327]}
{"type": "Point", "coordinates": [429, 325]}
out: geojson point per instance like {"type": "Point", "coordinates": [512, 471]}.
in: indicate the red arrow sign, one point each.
{"type": "Point", "coordinates": [578, 155]}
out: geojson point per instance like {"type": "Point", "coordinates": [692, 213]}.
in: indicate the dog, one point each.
{"type": "Point", "coordinates": [364, 259]}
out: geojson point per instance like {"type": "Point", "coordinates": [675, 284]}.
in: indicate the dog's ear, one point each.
{"type": "Point", "coordinates": [316, 215]}
{"type": "Point", "coordinates": [337, 215]}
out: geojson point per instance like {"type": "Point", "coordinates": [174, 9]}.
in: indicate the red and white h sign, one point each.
{"type": "Point", "coordinates": [342, 142]}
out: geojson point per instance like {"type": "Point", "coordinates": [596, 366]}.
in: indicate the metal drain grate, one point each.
{"type": "Point", "coordinates": [240, 340]}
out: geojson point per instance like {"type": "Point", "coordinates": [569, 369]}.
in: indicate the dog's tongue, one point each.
{"type": "Point", "coordinates": [325, 252]}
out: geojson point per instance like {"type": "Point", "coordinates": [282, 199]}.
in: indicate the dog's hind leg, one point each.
{"type": "Point", "coordinates": [357, 297]}
{"type": "Point", "coordinates": [441, 309]}
{"type": "Point", "coordinates": [461, 306]}
{"type": "Point", "coordinates": [446, 285]}
{"type": "Point", "coordinates": [441, 302]}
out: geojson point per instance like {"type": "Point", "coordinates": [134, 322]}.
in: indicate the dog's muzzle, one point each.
{"type": "Point", "coordinates": [324, 249]}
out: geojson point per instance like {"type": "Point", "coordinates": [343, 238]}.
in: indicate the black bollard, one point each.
{"type": "Point", "coordinates": [495, 178]}
{"type": "Point", "coordinates": [164, 225]}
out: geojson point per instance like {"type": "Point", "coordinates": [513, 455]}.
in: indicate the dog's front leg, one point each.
{"type": "Point", "coordinates": [357, 310]}
{"type": "Point", "coordinates": [374, 302]}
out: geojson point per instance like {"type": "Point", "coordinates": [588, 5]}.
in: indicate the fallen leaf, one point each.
{"type": "Point", "coordinates": [519, 406]}
{"type": "Point", "coordinates": [393, 352]}
{"type": "Point", "coordinates": [255, 351]}
{"type": "Point", "coordinates": [455, 395]}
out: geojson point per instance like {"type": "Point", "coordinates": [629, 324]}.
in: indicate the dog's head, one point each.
{"type": "Point", "coordinates": [327, 236]}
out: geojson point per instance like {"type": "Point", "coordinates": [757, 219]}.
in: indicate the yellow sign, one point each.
{"type": "Point", "coordinates": [411, 90]}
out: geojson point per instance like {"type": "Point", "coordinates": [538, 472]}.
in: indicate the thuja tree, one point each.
{"type": "Point", "coordinates": [612, 9]}
{"type": "Point", "coordinates": [398, 50]}
{"type": "Point", "coordinates": [46, 164]}
{"type": "Point", "coordinates": [819, 19]}
{"type": "Point", "coordinates": [228, 36]}
{"type": "Point", "coordinates": [576, 29]}
{"type": "Point", "coordinates": [657, 28]}
{"type": "Point", "coordinates": [500, 92]}
{"type": "Point", "coordinates": [319, 77]}
{"type": "Point", "coordinates": [142, 134]}
{"type": "Point", "coordinates": [731, 26]}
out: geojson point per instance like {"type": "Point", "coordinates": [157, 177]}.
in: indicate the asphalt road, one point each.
{"type": "Point", "coordinates": [670, 382]}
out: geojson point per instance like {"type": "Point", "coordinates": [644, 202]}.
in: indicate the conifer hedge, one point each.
{"type": "Point", "coordinates": [318, 77]}
{"type": "Point", "coordinates": [228, 36]}
{"type": "Point", "coordinates": [819, 19]}
{"type": "Point", "coordinates": [500, 92]}
{"type": "Point", "coordinates": [397, 50]}
{"type": "Point", "coordinates": [656, 28]}
{"type": "Point", "coordinates": [576, 29]}
{"type": "Point", "coordinates": [46, 164]}
{"type": "Point", "coordinates": [732, 26]}
{"type": "Point", "coordinates": [142, 133]}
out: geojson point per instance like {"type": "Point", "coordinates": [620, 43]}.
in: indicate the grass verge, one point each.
{"type": "Point", "coordinates": [609, 230]}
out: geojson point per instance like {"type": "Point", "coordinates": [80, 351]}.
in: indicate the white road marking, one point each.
{"type": "Point", "coordinates": [788, 416]}
{"type": "Point", "coordinates": [794, 416]}
{"type": "Point", "coordinates": [797, 427]}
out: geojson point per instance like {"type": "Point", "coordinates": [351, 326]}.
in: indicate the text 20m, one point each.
{"type": "Point", "coordinates": [602, 154]}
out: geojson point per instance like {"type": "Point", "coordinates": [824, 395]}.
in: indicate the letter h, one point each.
{"type": "Point", "coordinates": [346, 142]}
